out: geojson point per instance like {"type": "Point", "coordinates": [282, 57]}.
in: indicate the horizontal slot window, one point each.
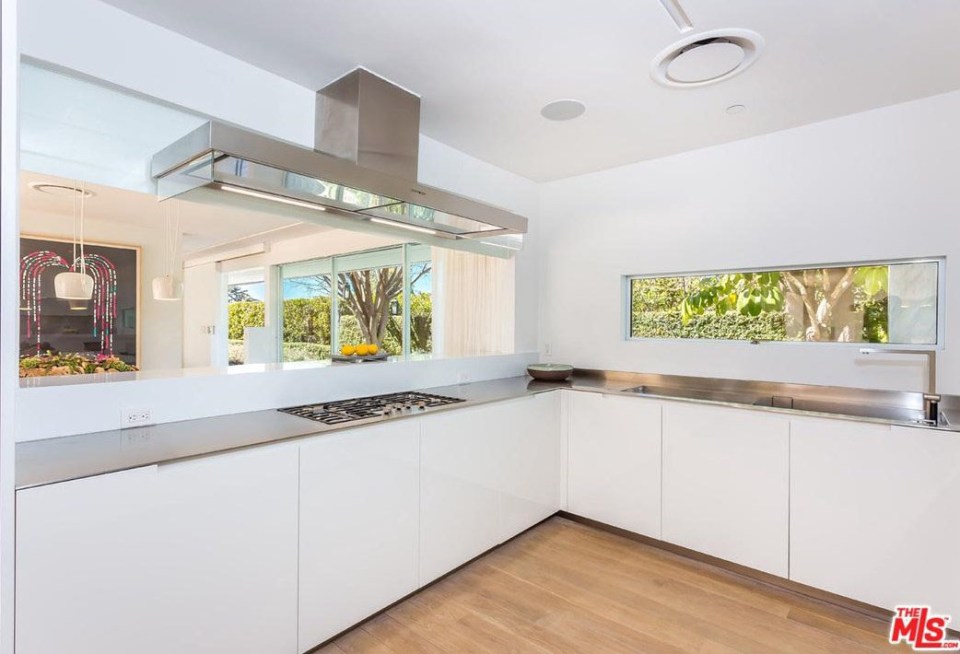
{"type": "Point", "coordinates": [895, 303]}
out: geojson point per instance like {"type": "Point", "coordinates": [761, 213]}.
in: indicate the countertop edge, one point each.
{"type": "Point", "coordinates": [69, 458]}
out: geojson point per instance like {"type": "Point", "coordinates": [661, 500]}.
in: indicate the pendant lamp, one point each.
{"type": "Point", "coordinates": [166, 287]}
{"type": "Point", "coordinates": [75, 284]}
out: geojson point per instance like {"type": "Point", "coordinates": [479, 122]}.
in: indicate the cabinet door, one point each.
{"type": "Point", "coordinates": [460, 499]}
{"type": "Point", "coordinates": [87, 566]}
{"type": "Point", "coordinates": [487, 473]}
{"type": "Point", "coordinates": [725, 484]}
{"type": "Point", "coordinates": [359, 520]}
{"type": "Point", "coordinates": [529, 439]}
{"type": "Point", "coordinates": [873, 512]}
{"type": "Point", "coordinates": [613, 460]}
{"type": "Point", "coordinates": [198, 556]}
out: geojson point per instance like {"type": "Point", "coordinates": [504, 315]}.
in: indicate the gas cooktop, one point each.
{"type": "Point", "coordinates": [376, 406]}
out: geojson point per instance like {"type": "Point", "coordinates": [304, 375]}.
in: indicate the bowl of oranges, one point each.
{"type": "Point", "coordinates": [360, 352]}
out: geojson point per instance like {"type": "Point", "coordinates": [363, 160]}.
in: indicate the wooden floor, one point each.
{"type": "Point", "coordinates": [566, 587]}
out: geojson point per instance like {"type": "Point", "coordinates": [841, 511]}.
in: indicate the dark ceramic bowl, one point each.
{"type": "Point", "coordinates": [550, 371]}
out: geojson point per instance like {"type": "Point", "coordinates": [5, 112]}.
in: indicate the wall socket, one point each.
{"type": "Point", "coordinates": [139, 417]}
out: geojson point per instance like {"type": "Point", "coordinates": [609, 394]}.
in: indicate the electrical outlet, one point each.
{"type": "Point", "coordinates": [463, 378]}
{"type": "Point", "coordinates": [135, 417]}
{"type": "Point", "coordinates": [547, 349]}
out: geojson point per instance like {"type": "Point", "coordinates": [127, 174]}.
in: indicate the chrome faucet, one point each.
{"type": "Point", "coordinates": [931, 400]}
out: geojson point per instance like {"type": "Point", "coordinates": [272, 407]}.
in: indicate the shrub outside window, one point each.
{"type": "Point", "coordinates": [896, 303]}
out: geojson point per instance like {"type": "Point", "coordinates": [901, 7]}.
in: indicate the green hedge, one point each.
{"type": "Point", "coordinates": [730, 326]}
{"type": "Point", "coordinates": [291, 351]}
{"type": "Point", "coordinates": [306, 321]}
{"type": "Point", "coordinates": [241, 315]}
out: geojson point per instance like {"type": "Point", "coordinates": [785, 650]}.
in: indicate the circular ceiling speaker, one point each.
{"type": "Point", "coordinates": [706, 58]}
{"type": "Point", "coordinates": [563, 110]}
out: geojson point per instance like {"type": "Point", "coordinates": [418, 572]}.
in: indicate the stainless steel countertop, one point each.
{"type": "Point", "coordinates": [73, 457]}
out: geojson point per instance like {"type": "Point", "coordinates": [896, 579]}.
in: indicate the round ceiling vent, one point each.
{"type": "Point", "coordinates": [707, 58]}
{"type": "Point", "coordinates": [60, 190]}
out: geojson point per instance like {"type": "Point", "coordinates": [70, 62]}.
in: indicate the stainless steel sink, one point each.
{"type": "Point", "coordinates": [813, 405]}
{"type": "Point", "coordinates": [692, 393]}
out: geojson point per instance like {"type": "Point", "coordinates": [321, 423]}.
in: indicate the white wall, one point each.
{"type": "Point", "coordinates": [876, 185]}
{"type": "Point", "coordinates": [202, 306]}
{"type": "Point", "coordinates": [160, 322]}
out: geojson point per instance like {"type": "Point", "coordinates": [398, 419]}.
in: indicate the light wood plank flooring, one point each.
{"type": "Point", "coordinates": [567, 587]}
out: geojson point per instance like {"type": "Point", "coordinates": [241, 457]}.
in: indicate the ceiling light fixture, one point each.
{"type": "Point", "coordinates": [736, 109]}
{"type": "Point", "coordinates": [60, 190]}
{"type": "Point", "coordinates": [560, 110]}
{"type": "Point", "coordinates": [706, 58]}
{"type": "Point", "coordinates": [269, 196]}
{"type": "Point", "coordinates": [394, 223]}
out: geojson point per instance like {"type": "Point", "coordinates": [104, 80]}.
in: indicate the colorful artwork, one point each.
{"type": "Point", "coordinates": [92, 328]}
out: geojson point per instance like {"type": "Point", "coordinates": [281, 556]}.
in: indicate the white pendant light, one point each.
{"type": "Point", "coordinates": [75, 285]}
{"type": "Point", "coordinates": [166, 288]}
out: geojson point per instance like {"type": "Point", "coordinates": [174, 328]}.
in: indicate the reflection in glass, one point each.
{"type": "Point", "coordinates": [306, 308]}
{"type": "Point", "coordinates": [245, 308]}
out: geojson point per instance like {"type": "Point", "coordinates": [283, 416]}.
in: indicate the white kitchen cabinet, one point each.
{"type": "Point", "coordinates": [613, 460]}
{"type": "Point", "coordinates": [726, 484]}
{"type": "Point", "coordinates": [487, 473]}
{"type": "Point", "coordinates": [359, 522]}
{"type": "Point", "coordinates": [529, 445]}
{"type": "Point", "coordinates": [873, 512]}
{"type": "Point", "coordinates": [198, 556]}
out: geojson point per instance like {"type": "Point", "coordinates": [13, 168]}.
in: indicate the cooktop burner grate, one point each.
{"type": "Point", "coordinates": [376, 406]}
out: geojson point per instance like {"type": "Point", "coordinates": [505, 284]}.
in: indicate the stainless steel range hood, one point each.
{"type": "Point", "coordinates": [364, 168]}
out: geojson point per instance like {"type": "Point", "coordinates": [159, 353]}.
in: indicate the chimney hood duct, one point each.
{"type": "Point", "coordinates": [361, 174]}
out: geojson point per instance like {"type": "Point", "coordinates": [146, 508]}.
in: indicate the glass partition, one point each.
{"type": "Point", "coordinates": [209, 279]}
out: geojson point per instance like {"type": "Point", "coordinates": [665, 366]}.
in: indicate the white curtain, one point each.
{"type": "Point", "coordinates": [473, 304]}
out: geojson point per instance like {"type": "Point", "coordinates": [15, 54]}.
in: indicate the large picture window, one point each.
{"type": "Point", "coordinates": [895, 303]}
{"type": "Point", "coordinates": [366, 304]}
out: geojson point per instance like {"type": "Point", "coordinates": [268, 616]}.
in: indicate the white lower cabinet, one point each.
{"type": "Point", "coordinates": [487, 473]}
{"type": "Point", "coordinates": [275, 549]}
{"type": "Point", "coordinates": [873, 512]}
{"type": "Point", "coordinates": [198, 556]}
{"type": "Point", "coordinates": [529, 450]}
{"type": "Point", "coordinates": [726, 484]}
{"type": "Point", "coordinates": [613, 460]}
{"type": "Point", "coordinates": [359, 519]}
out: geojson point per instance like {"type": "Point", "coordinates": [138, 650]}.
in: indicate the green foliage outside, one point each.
{"type": "Point", "coordinates": [747, 306]}
{"type": "Point", "coordinates": [669, 324]}
{"type": "Point", "coordinates": [306, 328]}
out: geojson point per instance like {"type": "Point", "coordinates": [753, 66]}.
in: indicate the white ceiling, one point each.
{"type": "Point", "coordinates": [486, 67]}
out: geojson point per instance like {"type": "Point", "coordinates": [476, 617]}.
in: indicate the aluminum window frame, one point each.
{"type": "Point", "coordinates": [940, 260]}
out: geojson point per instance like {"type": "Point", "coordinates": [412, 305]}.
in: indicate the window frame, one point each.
{"type": "Point", "coordinates": [941, 262]}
